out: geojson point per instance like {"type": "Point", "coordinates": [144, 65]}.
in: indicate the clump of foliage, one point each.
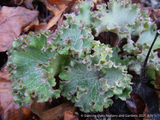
{"type": "Point", "coordinates": [90, 72]}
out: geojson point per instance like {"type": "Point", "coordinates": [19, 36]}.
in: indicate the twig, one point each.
{"type": "Point", "coordinates": [143, 70]}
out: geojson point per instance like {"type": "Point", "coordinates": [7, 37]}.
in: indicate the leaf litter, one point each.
{"type": "Point", "coordinates": [8, 109]}
{"type": "Point", "coordinates": [13, 21]}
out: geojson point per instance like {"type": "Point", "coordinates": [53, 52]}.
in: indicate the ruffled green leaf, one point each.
{"type": "Point", "coordinates": [121, 18]}
{"type": "Point", "coordinates": [73, 39]}
{"type": "Point", "coordinates": [84, 14]}
{"type": "Point", "coordinates": [147, 38]}
{"type": "Point", "coordinates": [90, 91]}
{"type": "Point", "coordinates": [31, 74]}
{"type": "Point", "coordinates": [136, 63]}
{"type": "Point", "coordinates": [91, 87]}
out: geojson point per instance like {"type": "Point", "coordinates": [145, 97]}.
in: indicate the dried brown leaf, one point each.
{"type": "Point", "coordinates": [55, 19]}
{"type": "Point", "coordinates": [28, 4]}
{"type": "Point", "coordinates": [54, 9]}
{"type": "Point", "coordinates": [4, 74]}
{"type": "Point", "coordinates": [58, 112]}
{"type": "Point", "coordinates": [136, 104]}
{"type": "Point", "coordinates": [37, 28]}
{"type": "Point", "coordinates": [156, 14]}
{"type": "Point", "coordinates": [12, 22]}
{"type": "Point", "coordinates": [38, 108]}
{"type": "Point", "coordinates": [59, 3]}
{"type": "Point", "coordinates": [69, 116]}
{"type": "Point", "coordinates": [11, 2]}
{"type": "Point", "coordinates": [157, 86]}
{"type": "Point", "coordinates": [34, 22]}
{"type": "Point", "coordinates": [8, 109]}
{"type": "Point", "coordinates": [70, 5]}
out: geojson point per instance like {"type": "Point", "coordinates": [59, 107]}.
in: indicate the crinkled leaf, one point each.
{"type": "Point", "coordinates": [90, 92]}
{"type": "Point", "coordinates": [136, 63]}
{"type": "Point", "coordinates": [73, 39]}
{"type": "Point", "coordinates": [28, 67]}
{"type": "Point", "coordinates": [147, 38]}
{"type": "Point", "coordinates": [90, 87]}
{"type": "Point", "coordinates": [84, 12]}
{"type": "Point", "coordinates": [121, 16]}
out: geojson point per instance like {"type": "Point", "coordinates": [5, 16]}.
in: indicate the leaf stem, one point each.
{"type": "Point", "coordinates": [143, 71]}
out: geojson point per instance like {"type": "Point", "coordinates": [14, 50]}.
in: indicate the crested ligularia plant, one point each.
{"type": "Point", "coordinates": [79, 67]}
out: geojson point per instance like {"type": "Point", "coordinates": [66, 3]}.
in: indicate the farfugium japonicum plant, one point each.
{"type": "Point", "coordinates": [90, 72]}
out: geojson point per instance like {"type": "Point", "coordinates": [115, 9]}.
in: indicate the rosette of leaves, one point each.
{"type": "Point", "coordinates": [32, 69]}
{"type": "Point", "coordinates": [91, 72]}
{"type": "Point", "coordinates": [91, 82]}
{"type": "Point", "coordinates": [129, 21]}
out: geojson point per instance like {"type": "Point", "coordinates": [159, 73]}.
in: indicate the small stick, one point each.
{"type": "Point", "coordinates": [143, 71]}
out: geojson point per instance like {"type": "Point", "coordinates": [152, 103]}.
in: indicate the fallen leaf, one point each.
{"type": "Point", "coordinates": [11, 2]}
{"type": "Point", "coordinates": [54, 9]}
{"type": "Point", "coordinates": [38, 108]}
{"type": "Point", "coordinates": [49, 17]}
{"type": "Point", "coordinates": [8, 109]}
{"type": "Point", "coordinates": [70, 5]}
{"type": "Point", "coordinates": [156, 13]}
{"type": "Point", "coordinates": [57, 8]}
{"type": "Point", "coordinates": [69, 116]}
{"type": "Point", "coordinates": [12, 22]}
{"type": "Point", "coordinates": [4, 74]}
{"type": "Point", "coordinates": [34, 22]}
{"type": "Point", "coordinates": [37, 28]}
{"type": "Point", "coordinates": [157, 86]}
{"type": "Point", "coordinates": [136, 105]}
{"type": "Point", "coordinates": [58, 112]}
{"type": "Point", "coordinates": [28, 3]}
{"type": "Point", "coordinates": [59, 3]}
{"type": "Point", "coordinates": [55, 19]}
{"type": "Point", "coordinates": [149, 96]}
